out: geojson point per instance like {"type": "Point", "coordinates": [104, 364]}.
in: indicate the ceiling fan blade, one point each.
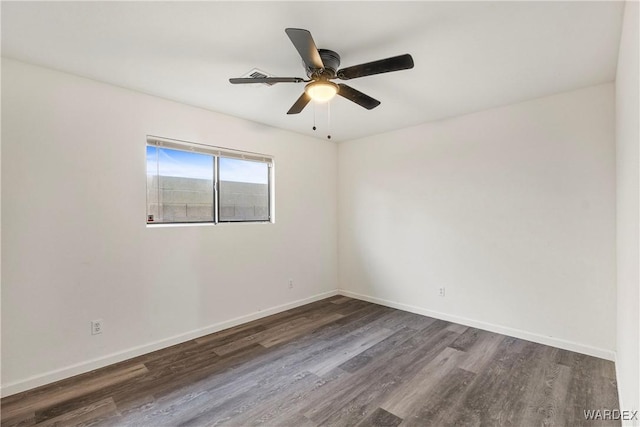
{"type": "Point", "coordinates": [270, 80]}
{"type": "Point", "coordinates": [299, 105]}
{"type": "Point", "coordinates": [396, 63]}
{"type": "Point", "coordinates": [306, 47]}
{"type": "Point", "coordinates": [358, 97]}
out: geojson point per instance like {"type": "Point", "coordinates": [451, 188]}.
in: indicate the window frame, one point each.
{"type": "Point", "coordinates": [216, 186]}
{"type": "Point", "coordinates": [216, 153]}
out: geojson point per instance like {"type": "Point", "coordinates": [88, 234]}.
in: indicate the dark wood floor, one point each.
{"type": "Point", "coordinates": [338, 361]}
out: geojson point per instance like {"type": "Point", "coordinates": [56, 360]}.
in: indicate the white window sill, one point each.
{"type": "Point", "coordinates": [205, 224]}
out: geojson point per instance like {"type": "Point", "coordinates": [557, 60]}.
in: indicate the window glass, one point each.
{"type": "Point", "coordinates": [179, 186]}
{"type": "Point", "coordinates": [244, 190]}
{"type": "Point", "coordinates": [191, 183]}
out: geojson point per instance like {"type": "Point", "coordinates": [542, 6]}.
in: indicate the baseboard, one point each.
{"type": "Point", "coordinates": [83, 367]}
{"type": "Point", "coordinates": [90, 365]}
{"type": "Point", "coordinates": [622, 407]}
{"type": "Point", "coordinates": [621, 404]}
{"type": "Point", "coordinates": [504, 330]}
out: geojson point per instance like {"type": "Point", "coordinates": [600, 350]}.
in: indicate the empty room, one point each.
{"type": "Point", "coordinates": [371, 213]}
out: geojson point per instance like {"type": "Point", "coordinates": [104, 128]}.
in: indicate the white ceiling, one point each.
{"type": "Point", "coordinates": [468, 56]}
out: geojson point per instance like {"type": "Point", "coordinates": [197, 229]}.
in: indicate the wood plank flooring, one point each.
{"type": "Point", "coordinates": [336, 362]}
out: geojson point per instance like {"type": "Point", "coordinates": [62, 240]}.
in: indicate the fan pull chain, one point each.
{"type": "Point", "coordinates": [314, 116]}
{"type": "Point", "coordinates": [329, 119]}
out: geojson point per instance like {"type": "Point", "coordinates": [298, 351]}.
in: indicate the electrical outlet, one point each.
{"type": "Point", "coordinates": [290, 283]}
{"type": "Point", "coordinates": [96, 327]}
{"type": "Point", "coordinates": [441, 292]}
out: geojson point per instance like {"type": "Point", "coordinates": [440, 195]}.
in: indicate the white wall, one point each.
{"type": "Point", "coordinates": [511, 209]}
{"type": "Point", "coordinates": [628, 212]}
{"type": "Point", "coordinates": [76, 246]}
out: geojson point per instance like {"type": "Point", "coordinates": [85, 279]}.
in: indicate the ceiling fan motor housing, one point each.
{"type": "Point", "coordinates": [331, 61]}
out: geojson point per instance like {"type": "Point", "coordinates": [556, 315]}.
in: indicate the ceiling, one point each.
{"type": "Point", "coordinates": [468, 56]}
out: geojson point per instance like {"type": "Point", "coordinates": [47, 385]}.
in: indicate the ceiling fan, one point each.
{"type": "Point", "coordinates": [321, 66]}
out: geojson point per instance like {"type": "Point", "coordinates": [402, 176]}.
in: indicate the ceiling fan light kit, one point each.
{"type": "Point", "coordinates": [321, 91]}
{"type": "Point", "coordinates": [321, 66]}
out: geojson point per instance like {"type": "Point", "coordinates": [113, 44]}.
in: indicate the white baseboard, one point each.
{"type": "Point", "coordinates": [618, 387]}
{"type": "Point", "coordinates": [504, 330]}
{"type": "Point", "coordinates": [623, 407]}
{"type": "Point", "coordinates": [90, 365]}
{"type": "Point", "coordinates": [86, 366]}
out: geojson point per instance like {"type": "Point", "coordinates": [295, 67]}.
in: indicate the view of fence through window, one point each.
{"type": "Point", "coordinates": [244, 190]}
{"type": "Point", "coordinates": [180, 188]}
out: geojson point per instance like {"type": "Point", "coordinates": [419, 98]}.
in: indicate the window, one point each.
{"type": "Point", "coordinates": [193, 183]}
{"type": "Point", "coordinates": [244, 190]}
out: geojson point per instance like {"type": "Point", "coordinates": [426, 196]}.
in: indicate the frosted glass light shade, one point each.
{"type": "Point", "coordinates": [321, 91]}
